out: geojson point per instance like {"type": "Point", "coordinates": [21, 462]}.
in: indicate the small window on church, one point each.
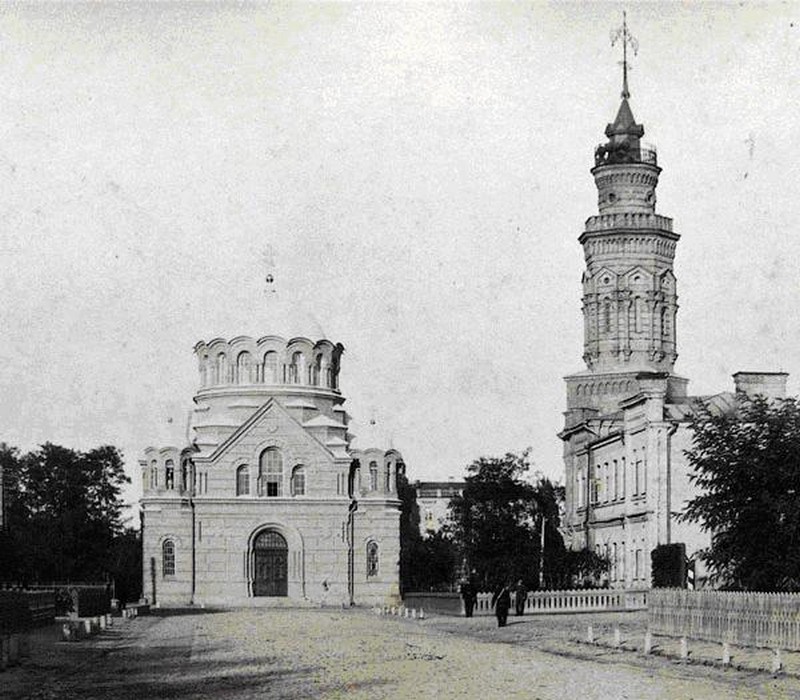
{"type": "Point", "coordinates": [153, 474]}
{"type": "Point", "coordinates": [372, 559]}
{"type": "Point", "coordinates": [299, 481]}
{"type": "Point", "coordinates": [168, 558]}
{"type": "Point", "coordinates": [243, 481]}
{"type": "Point", "coordinates": [270, 372]}
{"type": "Point", "coordinates": [169, 480]}
{"type": "Point", "coordinates": [373, 476]}
{"type": "Point", "coordinates": [387, 477]}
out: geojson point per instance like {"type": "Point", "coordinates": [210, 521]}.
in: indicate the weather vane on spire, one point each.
{"type": "Point", "coordinates": [623, 35]}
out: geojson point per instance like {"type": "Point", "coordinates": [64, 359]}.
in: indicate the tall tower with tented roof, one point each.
{"type": "Point", "coordinates": [630, 301]}
{"type": "Point", "coordinates": [625, 426]}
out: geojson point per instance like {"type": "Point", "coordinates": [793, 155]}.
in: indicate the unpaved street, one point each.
{"type": "Point", "coordinates": [354, 654]}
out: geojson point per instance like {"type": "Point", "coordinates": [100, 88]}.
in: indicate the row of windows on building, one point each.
{"type": "Point", "coordinates": [617, 556]}
{"type": "Point", "coordinates": [219, 370]}
{"type": "Point", "coordinates": [637, 316]}
{"type": "Point", "coordinates": [609, 484]}
{"type": "Point", "coordinates": [268, 478]}
{"type": "Point", "coordinates": [168, 568]}
{"type": "Point", "coordinates": [197, 482]}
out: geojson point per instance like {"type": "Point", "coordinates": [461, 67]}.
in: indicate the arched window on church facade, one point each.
{"type": "Point", "coordinates": [317, 370]}
{"type": "Point", "coordinates": [299, 480]}
{"type": "Point", "coordinates": [243, 481]}
{"type": "Point", "coordinates": [270, 367]}
{"type": "Point", "coordinates": [373, 476]}
{"type": "Point", "coordinates": [154, 474]}
{"type": "Point", "coordinates": [221, 369]}
{"type": "Point", "coordinates": [387, 477]}
{"type": "Point", "coordinates": [168, 558]}
{"type": "Point", "coordinates": [607, 315]}
{"type": "Point", "coordinates": [169, 475]}
{"type": "Point", "coordinates": [270, 473]}
{"type": "Point", "coordinates": [372, 559]}
{"type": "Point", "coordinates": [244, 366]}
{"type": "Point", "coordinates": [295, 368]}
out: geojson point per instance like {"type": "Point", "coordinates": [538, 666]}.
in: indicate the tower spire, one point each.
{"type": "Point", "coordinates": [622, 35]}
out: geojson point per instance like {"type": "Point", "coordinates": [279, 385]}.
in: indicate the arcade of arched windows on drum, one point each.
{"type": "Point", "coordinates": [218, 369]}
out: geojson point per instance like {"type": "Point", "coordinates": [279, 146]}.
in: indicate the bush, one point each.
{"type": "Point", "coordinates": [668, 565]}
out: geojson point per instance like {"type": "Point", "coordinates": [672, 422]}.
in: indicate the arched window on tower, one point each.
{"type": "Point", "coordinates": [299, 481]}
{"type": "Point", "coordinates": [373, 476]}
{"type": "Point", "coordinates": [168, 558]}
{"type": "Point", "coordinates": [271, 367]}
{"type": "Point", "coordinates": [607, 315]}
{"type": "Point", "coordinates": [154, 474]}
{"type": "Point", "coordinates": [221, 369]}
{"type": "Point", "coordinates": [317, 370]}
{"type": "Point", "coordinates": [372, 559]}
{"type": "Point", "coordinates": [664, 325]}
{"type": "Point", "coordinates": [270, 473]}
{"type": "Point", "coordinates": [243, 480]}
{"type": "Point", "coordinates": [169, 476]}
{"type": "Point", "coordinates": [244, 368]}
{"type": "Point", "coordinates": [296, 368]}
{"type": "Point", "coordinates": [387, 477]}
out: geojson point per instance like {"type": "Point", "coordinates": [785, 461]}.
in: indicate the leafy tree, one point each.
{"type": "Point", "coordinates": [746, 465]}
{"type": "Point", "coordinates": [64, 512]}
{"type": "Point", "coordinates": [426, 563]}
{"type": "Point", "coordinates": [496, 520]}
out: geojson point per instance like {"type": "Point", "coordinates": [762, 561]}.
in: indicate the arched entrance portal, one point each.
{"type": "Point", "coordinates": [271, 555]}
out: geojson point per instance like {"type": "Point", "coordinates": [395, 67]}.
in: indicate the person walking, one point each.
{"type": "Point", "coordinates": [469, 594]}
{"type": "Point", "coordinates": [501, 601]}
{"type": "Point", "coordinates": [521, 596]}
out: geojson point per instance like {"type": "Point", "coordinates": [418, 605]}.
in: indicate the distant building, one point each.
{"type": "Point", "coordinates": [268, 500]}
{"type": "Point", "coordinates": [626, 423]}
{"type": "Point", "coordinates": [433, 499]}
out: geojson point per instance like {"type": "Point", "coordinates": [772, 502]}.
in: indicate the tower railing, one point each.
{"type": "Point", "coordinates": [619, 154]}
{"type": "Point", "coordinates": [626, 219]}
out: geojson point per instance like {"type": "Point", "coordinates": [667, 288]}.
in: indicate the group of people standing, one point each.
{"type": "Point", "coordinates": [501, 599]}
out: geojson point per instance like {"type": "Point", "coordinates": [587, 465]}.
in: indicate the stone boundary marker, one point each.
{"type": "Point", "coordinates": [723, 657]}
{"type": "Point", "coordinates": [401, 611]}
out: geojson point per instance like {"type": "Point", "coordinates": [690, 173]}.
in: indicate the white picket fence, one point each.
{"type": "Point", "coordinates": [550, 602]}
{"type": "Point", "coordinates": [744, 619]}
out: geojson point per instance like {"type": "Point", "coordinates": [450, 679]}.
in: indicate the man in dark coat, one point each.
{"type": "Point", "coordinates": [501, 601]}
{"type": "Point", "coordinates": [469, 594]}
{"type": "Point", "coordinates": [521, 597]}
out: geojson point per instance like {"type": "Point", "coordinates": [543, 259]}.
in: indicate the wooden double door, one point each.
{"type": "Point", "coordinates": [271, 559]}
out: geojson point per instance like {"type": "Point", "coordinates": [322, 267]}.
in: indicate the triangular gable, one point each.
{"type": "Point", "coordinates": [270, 405]}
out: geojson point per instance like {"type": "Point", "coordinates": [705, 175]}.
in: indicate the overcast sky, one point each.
{"type": "Point", "coordinates": [420, 173]}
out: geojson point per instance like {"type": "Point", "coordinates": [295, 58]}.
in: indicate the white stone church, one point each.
{"type": "Point", "coordinates": [268, 501]}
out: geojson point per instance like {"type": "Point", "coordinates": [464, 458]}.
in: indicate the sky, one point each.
{"type": "Point", "coordinates": [415, 177]}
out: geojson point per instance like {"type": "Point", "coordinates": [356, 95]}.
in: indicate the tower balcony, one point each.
{"type": "Point", "coordinates": [628, 220]}
{"type": "Point", "coordinates": [624, 152]}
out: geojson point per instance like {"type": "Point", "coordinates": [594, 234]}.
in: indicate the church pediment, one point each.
{"type": "Point", "coordinates": [271, 422]}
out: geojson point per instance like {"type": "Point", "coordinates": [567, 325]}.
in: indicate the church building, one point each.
{"type": "Point", "coordinates": [268, 501]}
{"type": "Point", "coordinates": [626, 423]}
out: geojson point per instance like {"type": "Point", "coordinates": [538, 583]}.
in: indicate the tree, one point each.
{"type": "Point", "coordinates": [426, 563]}
{"type": "Point", "coordinates": [496, 521]}
{"type": "Point", "coordinates": [746, 465]}
{"type": "Point", "coordinates": [64, 512]}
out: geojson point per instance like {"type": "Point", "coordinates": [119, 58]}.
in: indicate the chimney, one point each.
{"type": "Point", "coordinates": [771, 385]}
